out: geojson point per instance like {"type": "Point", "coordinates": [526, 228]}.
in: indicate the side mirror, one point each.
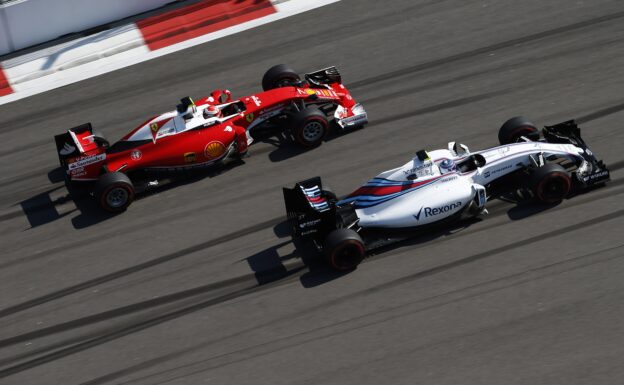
{"type": "Point", "coordinates": [458, 148]}
{"type": "Point", "coordinates": [221, 96]}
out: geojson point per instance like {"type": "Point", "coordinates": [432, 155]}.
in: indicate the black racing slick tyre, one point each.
{"type": "Point", "coordinates": [279, 76]}
{"type": "Point", "coordinates": [329, 193]}
{"type": "Point", "coordinates": [344, 249]}
{"type": "Point", "coordinates": [550, 183]}
{"type": "Point", "coordinates": [310, 126]}
{"type": "Point", "coordinates": [514, 128]}
{"type": "Point", "coordinates": [114, 192]}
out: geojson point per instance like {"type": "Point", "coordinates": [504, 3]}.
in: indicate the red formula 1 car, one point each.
{"type": "Point", "coordinates": [208, 132]}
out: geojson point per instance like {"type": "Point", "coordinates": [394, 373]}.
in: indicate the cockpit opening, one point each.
{"type": "Point", "coordinates": [471, 163]}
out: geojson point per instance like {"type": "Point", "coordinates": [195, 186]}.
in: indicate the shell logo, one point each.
{"type": "Point", "coordinates": [214, 150]}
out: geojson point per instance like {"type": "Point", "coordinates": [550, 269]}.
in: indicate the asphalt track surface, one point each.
{"type": "Point", "coordinates": [201, 284]}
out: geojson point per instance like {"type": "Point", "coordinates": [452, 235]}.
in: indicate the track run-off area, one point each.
{"type": "Point", "coordinates": [199, 283]}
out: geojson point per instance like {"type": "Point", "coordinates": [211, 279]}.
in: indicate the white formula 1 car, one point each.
{"type": "Point", "coordinates": [440, 186]}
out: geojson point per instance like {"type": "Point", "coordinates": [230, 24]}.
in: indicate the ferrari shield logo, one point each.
{"type": "Point", "coordinates": [250, 118]}
{"type": "Point", "coordinates": [189, 157]}
{"type": "Point", "coordinates": [154, 127]}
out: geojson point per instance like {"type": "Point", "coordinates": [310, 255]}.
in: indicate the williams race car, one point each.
{"type": "Point", "coordinates": [441, 186]}
{"type": "Point", "coordinates": [208, 132]}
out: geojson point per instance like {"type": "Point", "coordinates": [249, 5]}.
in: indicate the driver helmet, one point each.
{"type": "Point", "coordinates": [212, 112]}
{"type": "Point", "coordinates": [447, 165]}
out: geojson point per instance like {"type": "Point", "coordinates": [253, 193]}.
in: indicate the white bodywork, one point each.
{"type": "Point", "coordinates": [423, 192]}
{"type": "Point", "coordinates": [176, 123]}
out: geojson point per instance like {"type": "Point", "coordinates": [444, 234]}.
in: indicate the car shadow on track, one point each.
{"type": "Point", "coordinates": [269, 266]}
{"type": "Point", "coordinates": [42, 208]}
{"type": "Point", "coordinates": [285, 148]}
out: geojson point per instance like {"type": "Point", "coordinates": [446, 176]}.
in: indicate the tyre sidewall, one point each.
{"type": "Point", "coordinates": [300, 127]}
{"type": "Point", "coordinates": [564, 181]}
{"type": "Point", "coordinates": [550, 173]}
{"type": "Point", "coordinates": [335, 256]}
{"type": "Point", "coordinates": [112, 187]}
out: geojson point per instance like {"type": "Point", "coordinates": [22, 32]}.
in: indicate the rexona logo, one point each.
{"type": "Point", "coordinates": [433, 211]}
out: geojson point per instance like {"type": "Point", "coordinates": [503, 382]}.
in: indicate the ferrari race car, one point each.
{"type": "Point", "coordinates": [208, 132]}
{"type": "Point", "coordinates": [442, 186]}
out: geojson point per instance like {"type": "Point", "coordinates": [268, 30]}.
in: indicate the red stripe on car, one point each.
{"type": "Point", "coordinates": [387, 190]}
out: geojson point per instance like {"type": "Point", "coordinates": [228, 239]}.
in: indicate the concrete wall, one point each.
{"type": "Point", "coordinates": [29, 22]}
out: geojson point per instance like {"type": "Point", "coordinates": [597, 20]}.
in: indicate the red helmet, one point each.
{"type": "Point", "coordinates": [212, 112]}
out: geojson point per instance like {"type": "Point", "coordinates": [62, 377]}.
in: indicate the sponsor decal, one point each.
{"type": "Point", "coordinates": [67, 149]}
{"type": "Point", "coordinates": [487, 174]}
{"type": "Point", "coordinates": [80, 171]}
{"type": "Point", "coordinates": [228, 129]}
{"type": "Point", "coordinates": [355, 120]}
{"type": "Point", "coordinates": [250, 118]}
{"type": "Point", "coordinates": [136, 155]}
{"type": "Point", "coordinates": [433, 211]}
{"type": "Point", "coordinates": [214, 150]}
{"type": "Point", "coordinates": [154, 127]}
{"type": "Point", "coordinates": [422, 170]}
{"type": "Point", "coordinates": [310, 92]}
{"type": "Point", "coordinates": [309, 223]}
{"type": "Point", "coordinates": [449, 179]}
{"type": "Point", "coordinates": [308, 232]}
{"type": "Point", "coordinates": [86, 160]}
{"type": "Point", "coordinates": [256, 100]}
{"type": "Point", "coordinates": [166, 132]}
{"type": "Point", "coordinates": [601, 174]}
{"type": "Point", "coordinates": [189, 157]}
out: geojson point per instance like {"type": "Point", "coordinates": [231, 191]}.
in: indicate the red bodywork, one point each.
{"type": "Point", "coordinates": [187, 148]}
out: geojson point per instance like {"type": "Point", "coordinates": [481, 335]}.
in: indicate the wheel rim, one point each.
{"type": "Point", "coordinates": [313, 131]}
{"type": "Point", "coordinates": [554, 189]}
{"type": "Point", "coordinates": [348, 256]}
{"type": "Point", "coordinates": [117, 197]}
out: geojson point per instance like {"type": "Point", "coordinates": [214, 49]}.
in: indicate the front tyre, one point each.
{"type": "Point", "coordinates": [550, 183]}
{"type": "Point", "coordinates": [279, 76]}
{"type": "Point", "coordinates": [344, 249]}
{"type": "Point", "coordinates": [513, 129]}
{"type": "Point", "coordinates": [114, 192]}
{"type": "Point", "coordinates": [310, 126]}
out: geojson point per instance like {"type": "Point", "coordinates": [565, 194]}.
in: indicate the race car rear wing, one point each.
{"type": "Point", "coordinates": [310, 209]}
{"type": "Point", "coordinates": [79, 147]}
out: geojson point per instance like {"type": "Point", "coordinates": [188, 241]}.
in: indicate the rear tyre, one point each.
{"type": "Point", "coordinates": [344, 249]}
{"type": "Point", "coordinates": [514, 128]}
{"type": "Point", "coordinates": [279, 76]}
{"type": "Point", "coordinates": [114, 192]}
{"type": "Point", "coordinates": [329, 193]}
{"type": "Point", "coordinates": [310, 126]}
{"type": "Point", "coordinates": [550, 183]}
